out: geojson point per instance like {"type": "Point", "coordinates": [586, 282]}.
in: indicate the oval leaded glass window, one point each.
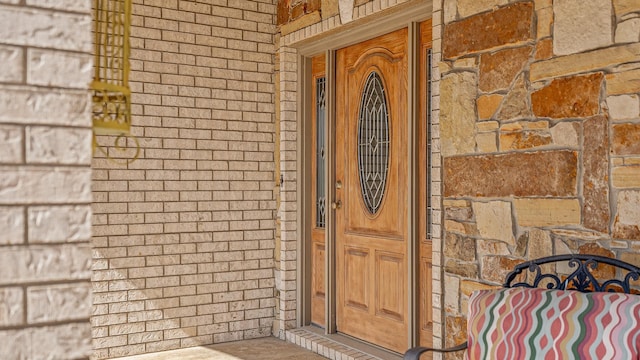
{"type": "Point", "coordinates": [373, 142]}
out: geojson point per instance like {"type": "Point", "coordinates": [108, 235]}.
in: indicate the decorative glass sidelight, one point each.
{"type": "Point", "coordinates": [320, 152]}
{"type": "Point", "coordinates": [373, 142]}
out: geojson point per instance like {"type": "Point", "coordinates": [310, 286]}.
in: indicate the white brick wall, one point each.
{"type": "Point", "coordinates": [45, 135]}
{"type": "Point", "coordinates": [184, 236]}
{"type": "Point", "coordinates": [286, 266]}
{"type": "Point", "coordinates": [436, 178]}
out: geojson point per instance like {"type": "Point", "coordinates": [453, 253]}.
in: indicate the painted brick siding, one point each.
{"type": "Point", "coordinates": [184, 235]}
{"type": "Point", "coordinates": [45, 181]}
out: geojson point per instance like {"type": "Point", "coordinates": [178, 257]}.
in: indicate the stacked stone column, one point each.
{"type": "Point", "coordinates": [540, 122]}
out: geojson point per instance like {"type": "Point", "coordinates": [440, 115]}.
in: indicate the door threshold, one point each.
{"type": "Point", "coordinates": [336, 346]}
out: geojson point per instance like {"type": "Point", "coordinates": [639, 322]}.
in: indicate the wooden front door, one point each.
{"type": "Point", "coordinates": [371, 191]}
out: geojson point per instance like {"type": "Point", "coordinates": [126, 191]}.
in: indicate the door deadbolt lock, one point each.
{"type": "Point", "coordinates": [336, 205]}
{"type": "Point", "coordinates": [338, 184]}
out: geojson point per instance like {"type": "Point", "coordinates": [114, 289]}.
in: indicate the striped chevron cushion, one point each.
{"type": "Point", "coordinates": [523, 323]}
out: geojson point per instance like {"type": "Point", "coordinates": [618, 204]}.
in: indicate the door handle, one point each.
{"type": "Point", "coordinates": [336, 205]}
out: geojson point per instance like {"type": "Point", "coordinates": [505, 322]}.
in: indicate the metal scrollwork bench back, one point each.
{"type": "Point", "coordinates": [581, 279]}
{"type": "Point", "coordinates": [531, 274]}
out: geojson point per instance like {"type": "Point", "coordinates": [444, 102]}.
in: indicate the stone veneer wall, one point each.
{"type": "Point", "coordinates": [184, 236]}
{"type": "Point", "coordinates": [540, 134]}
{"type": "Point", "coordinates": [45, 193]}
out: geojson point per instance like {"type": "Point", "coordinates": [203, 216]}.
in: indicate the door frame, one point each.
{"type": "Point", "coordinates": [406, 15]}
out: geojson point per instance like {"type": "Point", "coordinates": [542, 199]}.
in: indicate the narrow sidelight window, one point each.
{"type": "Point", "coordinates": [320, 152]}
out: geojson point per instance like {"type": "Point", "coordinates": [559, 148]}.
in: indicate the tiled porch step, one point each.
{"type": "Point", "coordinates": [326, 347]}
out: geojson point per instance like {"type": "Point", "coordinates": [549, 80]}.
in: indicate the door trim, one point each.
{"type": "Point", "coordinates": [413, 35]}
{"type": "Point", "coordinates": [303, 190]}
{"type": "Point", "coordinates": [406, 15]}
{"type": "Point", "coordinates": [383, 22]}
{"type": "Point", "coordinates": [330, 259]}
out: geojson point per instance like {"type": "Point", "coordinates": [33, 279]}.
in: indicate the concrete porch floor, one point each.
{"type": "Point", "coordinates": [269, 348]}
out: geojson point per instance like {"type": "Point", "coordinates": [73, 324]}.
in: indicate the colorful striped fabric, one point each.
{"type": "Point", "coordinates": [520, 323]}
